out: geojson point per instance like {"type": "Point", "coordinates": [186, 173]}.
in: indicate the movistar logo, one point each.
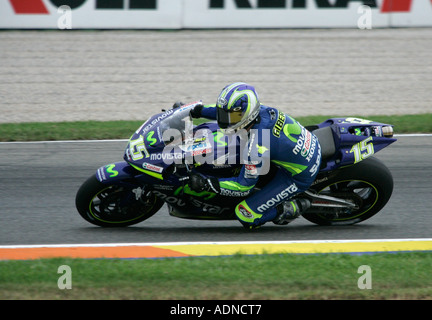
{"type": "Point", "coordinates": [286, 193]}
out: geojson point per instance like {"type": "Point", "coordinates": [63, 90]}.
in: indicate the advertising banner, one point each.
{"type": "Point", "coordinates": [178, 14]}
{"type": "Point", "coordinates": [306, 13]}
{"type": "Point", "coordinates": [91, 14]}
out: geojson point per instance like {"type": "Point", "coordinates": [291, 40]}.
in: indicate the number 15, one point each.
{"type": "Point", "coordinates": [363, 150]}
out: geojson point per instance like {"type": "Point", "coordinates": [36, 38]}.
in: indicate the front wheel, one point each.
{"type": "Point", "coordinates": [368, 184]}
{"type": "Point", "coordinates": [113, 205]}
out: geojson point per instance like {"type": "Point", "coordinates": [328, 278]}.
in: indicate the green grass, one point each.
{"type": "Point", "coordinates": [275, 277]}
{"type": "Point", "coordinates": [80, 130]}
{"type": "Point", "coordinates": [89, 130]}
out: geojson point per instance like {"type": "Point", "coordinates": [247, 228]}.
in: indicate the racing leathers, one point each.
{"type": "Point", "coordinates": [274, 138]}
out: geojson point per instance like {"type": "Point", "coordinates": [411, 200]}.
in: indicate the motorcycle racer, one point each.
{"type": "Point", "coordinates": [277, 138]}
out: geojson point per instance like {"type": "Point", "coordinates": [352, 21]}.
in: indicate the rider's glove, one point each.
{"type": "Point", "coordinates": [196, 111]}
{"type": "Point", "coordinates": [199, 183]}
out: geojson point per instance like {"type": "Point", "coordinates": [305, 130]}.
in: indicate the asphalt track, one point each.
{"type": "Point", "coordinates": [38, 183]}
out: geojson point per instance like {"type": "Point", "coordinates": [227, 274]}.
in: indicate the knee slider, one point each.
{"type": "Point", "coordinates": [245, 214]}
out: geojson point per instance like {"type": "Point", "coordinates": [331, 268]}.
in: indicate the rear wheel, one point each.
{"type": "Point", "coordinates": [113, 205]}
{"type": "Point", "coordinates": [368, 185]}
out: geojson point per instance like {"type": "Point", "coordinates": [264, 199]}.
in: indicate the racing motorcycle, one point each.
{"type": "Point", "coordinates": [351, 185]}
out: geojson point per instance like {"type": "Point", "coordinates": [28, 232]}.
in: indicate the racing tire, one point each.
{"type": "Point", "coordinates": [114, 205]}
{"type": "Point", "coordinates": [369, 184]}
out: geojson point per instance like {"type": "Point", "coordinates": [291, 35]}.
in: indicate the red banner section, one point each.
{"type": "Point", "coordinates": [29, 7]}
{"type": "Point", "coordinates": [396, 6]}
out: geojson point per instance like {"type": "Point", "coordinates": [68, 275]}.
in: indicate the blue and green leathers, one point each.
{"type": "Point", "coordinates": [277, 139]}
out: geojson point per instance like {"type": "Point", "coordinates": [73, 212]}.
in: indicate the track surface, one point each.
{"type": "Point", "coordinates": [38, 183]}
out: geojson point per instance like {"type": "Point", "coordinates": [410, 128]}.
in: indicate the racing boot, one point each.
{"type": "Point", "coordinates": [290, 210]}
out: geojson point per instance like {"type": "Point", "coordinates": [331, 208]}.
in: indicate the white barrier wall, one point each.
{"type": "Point", "coordinates": [92, 14]}
{"type": "Point", "coordinates": [177, 14]}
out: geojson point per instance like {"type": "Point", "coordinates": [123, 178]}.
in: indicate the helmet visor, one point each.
{"type": "Point", "coordinates": [228, 118]}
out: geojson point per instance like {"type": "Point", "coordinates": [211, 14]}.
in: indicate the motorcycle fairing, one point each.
{"type": "Point", "coordinates": [114, 172]}
{"type": "Point", "coordinates": [354, 141]}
